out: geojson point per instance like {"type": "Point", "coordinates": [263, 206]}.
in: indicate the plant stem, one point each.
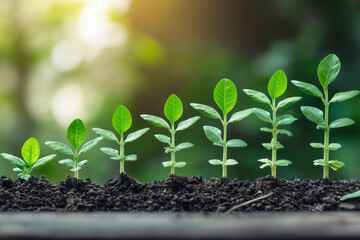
{"type": "Point", "coordinates": [122, 154]}
{"type": "Point", "coordinates": [274, 148]}
{"type": "Point", "coordinates": [76, 173]}
{"type": "Point", "coordinates": [326, 136]}
{"type": "Point", "coordinates": [224, 167]}
{"type": "Point", "coordinates": [172, 145]}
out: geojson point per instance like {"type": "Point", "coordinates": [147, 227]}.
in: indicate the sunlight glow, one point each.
{"type": "Point", "coordinates": [66, 56]}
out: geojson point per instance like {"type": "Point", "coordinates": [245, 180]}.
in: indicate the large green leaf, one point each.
{"type": "Point", "coordinates": [313, 114]}
{"type": "Point", "coordinates": [110, 151]}
{"type": "Point", "coordinates": [238, 116]}
{"type": "Point", "coordinates": [89, 145]}
{"type": "Point", "coordinates": [257, 96]}
{"type": "Point", "coordinates": [135, 135]}
{"type": "Point", "coordinates": [31, 151]}
{"type": "Point", "coordinates": [328, 70]}
{"type": "Point", "coordinates": [186, 124]}
{"type": "Point", "coordinates": [213, 134]}
{"type": "Point", "coordinates": [106, 134]}
{"type": "Point", "coordinates": [277, 84]}
{"type": "Point", "coordinates": [121, 120]}
{"type": "Point", "coordinates": [76, 133]}
{"type": "Point", "coordinates": [67, 163]}
{"type": "Point", "coordinates": [343, 96]}
{"type": "Point", "coordinates": [173, 108]}
{"type": "Point", "coordinates": [43, 161]}
{"type": "Point", "coordinates": [262, 115]}
{"type": "Point", "coordinates": [155, 121]}
{"type": "Point", "coordinates": [342, 122]}
{"type": "Point", "coordinates": [59, 147]}
{"type": "Point", "coordinates": [18, 162]}
{"type": "Point", "coordinates": [288, 101]}
{"type": "Point", "coordinates": [308, 88]}
{"type": "Point", "coordinates": [286, 119]}
{"type": "Point", "coordinates": [225, 95]}
{"type": "Point", "coordinates": [207, 111]}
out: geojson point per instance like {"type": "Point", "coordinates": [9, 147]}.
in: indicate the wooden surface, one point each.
{"type": "Point", "coordinates": [179, 226]}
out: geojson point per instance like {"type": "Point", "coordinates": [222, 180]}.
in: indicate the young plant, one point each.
{"type": "Point", "coordinates": [328, 70]}
{"type": "Point", "coordinates": [121, 122]}
{"type": "Point", "coordinates": [225, 96]}
{"type": "Point", "coordinates": [173, 111]}
{"type": "Point", "coordinates": [30, 152]}
{"type": "Point", "coordinates": [276, 88]}
{"type": "Point", "coordinates": [76, 134]}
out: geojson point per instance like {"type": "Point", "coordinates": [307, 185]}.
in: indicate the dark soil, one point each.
{"type": "Point", "coordinates": [175, 194]}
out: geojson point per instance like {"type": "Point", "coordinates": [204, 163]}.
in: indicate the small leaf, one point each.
{"type": "Point", "coordinates": [76, 169]}
{"type": "Point", "coordinates": [132, 157]}
{"type": "Point", "coordinates": [89, 145]}
{"type": "Point", "coordinates": [18, 162]}
{"type": "Point", "coordinates": [135, 135]}
{"type": "Point", "coordinates": [285, 132]}
{"type": "Point", "coordinates": [313, 114]}
{"type": "Point", "coordinates": [186, 124]}
{"type": "Point", "coordinates": [265, 129]}
{"type": "Point", "coordinates": [180, 164]}
{"type": "Point", "coordinates": [155, 121]}
{"type": "Point", "coordinates": [320, 162]}
{"type": "Point", "coordinates": [231, 162]}
{"type": "Point", "coordinates": [335, 164]}
{"type": "Point", "coordinates": [283, 163]}
{"type": "Point", "coordinates": [317, 145]}
{"type": "Point", "coordinates": [225, 95]}
{"type": "Point", "coordinates": [350, 195]}
{"type": "Point", "coordinates": [279, 145]}
{"type": "Point", "coordinates": [265, 165]}
{"type": "Point", "coordinates": [184, 145]}
{"type": "Point", "coordinates": [76, 133]}
{"type": "Point", "coordinates": [24, 176]}
{"type": "Point", "coordinates": [257, 96]}
{"type": "Point", "coordinates": [43, 161]}
{"type": "Point", "coordinates": [59, 147]}
{"type": "Point", "coordinates": [162, 138]}
{"type": "Point", "coordinates": [220, 144]}
{"type": "Point", "coordinates": [343, 96]}
{"type": "Point", "coordinates": [277, 84]}
{"type": "Point", "coordinates": [334, 146]}
{"type": "Point", "coordinates": [67, 163]}
{"type": "Point", "coordinates": [236, 143]}
{"type": "Point", "coordinates": [262, 115]}
{"type": "Point", "coordinates": [17, 170]}
{"type": "Point", "coordinates": [215, 162]}
{"type": "Point", "coordinates": [286, 119]}
{"type": "Point", "coordinates": [328, 69]}
{"type": "Point", "coordinates": [121, 120]}
{"type": "Point", "coordinates": [171, 149]}
{"type": "Point", "coordinates": [268, 146]}
{"type": "Point", "coordinates": [31, 151]}
{"type": "Point", "coordinates": [167, 164]}
{"type": "Point", "coordinates": [266, 161]}
{"type": "Point", "coordinates": [322, 126]}
{"type": "Point", "coordinates": [110, 151]}
{"type": "Point", "coordinates": [342, 122]}
{"type": "Point", "coordinates": [173, 108]}
{"type": "Point", "coordinates": [308, 88]}
{"type": "Point", "coordinates": [83, 163]}
{"type": "Point", "coordinates": [106, 134]}
{"type": "Point", "coordinates": [213, 134]}
{"type": "Point", "coordinates": [207, 111]}
{"type": "Point", "coordinates": [238, 116]}
{"type": "Point", "coordinates": [288, 101]}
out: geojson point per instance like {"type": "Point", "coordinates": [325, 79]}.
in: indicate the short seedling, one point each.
{"type": "Point", "coordinates": [276, 88]}
{"type": "Point", "coordinates": [76, 134]}
{"type": "Point", "coordinates": [173, 111]}
{"type": "Point", "coordinates": [225, 96]}
{"type": "Point", "coordinates": [30, 152]}
{"type": "Point", "coordinates": [121, 122]}
{"type": "Point", "coordinates": [328, 70]}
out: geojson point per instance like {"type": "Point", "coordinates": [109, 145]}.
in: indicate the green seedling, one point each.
{"type": "Point", "coordinates": [225, 96]}
{"type": "Point", "coordinates": [76, 134]}
{"type": "Point", "coordinates": [276, 88]}
{"type": "Point", "coordinates": [350, 196]}
{"type": "Point", "coordinates": [121, 122]}
{"type": "Point", "coordinates": [30, 152]}
{"type": "Point", "coordinates": [173, 111]}
{"type": "Point", "coordinates": [328, 70]}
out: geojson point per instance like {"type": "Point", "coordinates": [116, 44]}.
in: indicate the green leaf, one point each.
{"type": "Point", "coordinates": [257, 96]}
{"type": "Point", "coordinates": [277, 84]}
{"type": "Point", "coordinates": [89, 145]}
{"type": "Point", "coordinates": [350, 195]}
{"type": "Point", "coordinates": [173, 108]}
{"type": "Point", "coordinates": [76, 169]}
{"type": "Point", "coordinates": [162, 138]}
{"type": "Point", "coordinates": [186, 124]}
{"type": "Point", "coordinates": [343, 96]}
{"type": "Point", "coordinates": [317, 145]}
{"type": "Point", "coordinates": [236, 143]}
{"type": "Point", "coordinates": [231, 162]}
{"type": "Point", "coordinates": [121, 120]}
{"type": "Point", "coordinates": [342, 122]}
{"type": "Point", "coordinates": [321, 126]}
{"type": "Point", "coordinates": [285, 132]}
{"type": "Point", "coordinates": [67, 163]}
{"type": "Point", "coordinates": [180, 164]}
{"type": "Point", "coordinates": [24, 176]}
{"type": "Point", "coordinates": [313, 114]}
{"type": "Point", "coordinates": [106, 134]}
{"type": "Point", "coordinates": [215, 162]}
{"type": "Point", "coordinates": [155, 121]}
{"type": "Point", "coordinates": [17, 170]}
{"type": "Point", "coordinates": [238, 116]}
{"type": "Point", "coordinates": [184, 145]}
{"type": "Point", "coordinates": [167, 164]}
{"type": "Point", "coordinates": [76, 133]}
{"type": "Point", "coordinates": [220, 144]}
{"type": "Point", "coordinates": [308, 88]}
{"type": "Point", "coordinates": [31, 151]}
{"type": "Point", "coordinates": [213, 134]}
{"type": "Point", "coordinates": [328, 70]}
{"type": "Point", "coordinates": [262, 115]}
{"type": "Point", "coordinates": [268, 146]}
{"type": "Point", "coordinates": [335, 164]}
{"type": "Point", "coordinates": [59, 147]}
{"type": "Point", "coordinates": [334, 146]}
{"type": "Point", "coordinates": [18, 162]}
{"type": "Point", "coordinates": [110, 151]}
{"type": "Point", "coordinates": [225, 95]}
{"type": "Point", "coordinates": [132, 157]}
{"type": "Point", "coordinates": [286, 119]}
{"type": "Point", "coordinates": [135, 135]}
{"type": "Point", "coordinates": [320, 162]}
{"type": "Point", "coordinates": [266, 161]}
{"type": "Point", "coordinates": [288, 101]}
{"type": "Point", "coordinates": [171, 149]}
{"type": "Point", "coordinates": [83, 163]}
{"type": "Point", "coordinates": [205, 110]}
{"type": "Point", "coordinates": [43, 161]}
{"type": "Point", "coordinates": [283, 163]}
{"type": "Point", "coordinates": [265, 129]}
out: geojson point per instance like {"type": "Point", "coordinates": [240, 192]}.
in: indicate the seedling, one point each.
{"type": "Point", "coordinates": [121, 122]}
{"type": "Point", "coordinates": [76, 134]}
{"type": "Point", "coordinates": [225, 96]}
{"type": "Point", "coordinates": [276, 88]}
{"type": "Point", "coordinates": [173, 111]}
{"type": "Point", "coordinates": [30, 152]}
{"type": "Point", "coordinates": [328, 70]}
{"type": "Point", "coordinates": [350, 195]}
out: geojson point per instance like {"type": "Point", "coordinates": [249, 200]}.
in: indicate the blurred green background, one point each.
{"type": "Point", "coordinates": [67, 59]}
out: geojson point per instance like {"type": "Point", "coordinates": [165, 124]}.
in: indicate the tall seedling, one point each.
{"type": "Point", "coordinates": [173, 111]}
{"type": "Point", "coordinates": [225, 96]}
{"type": "Point", "coordinates": [121, 122]}
{"type": "Point", "coordinates": [276, 88]}
{"type": "Point", "coordinates": [328, 70]}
